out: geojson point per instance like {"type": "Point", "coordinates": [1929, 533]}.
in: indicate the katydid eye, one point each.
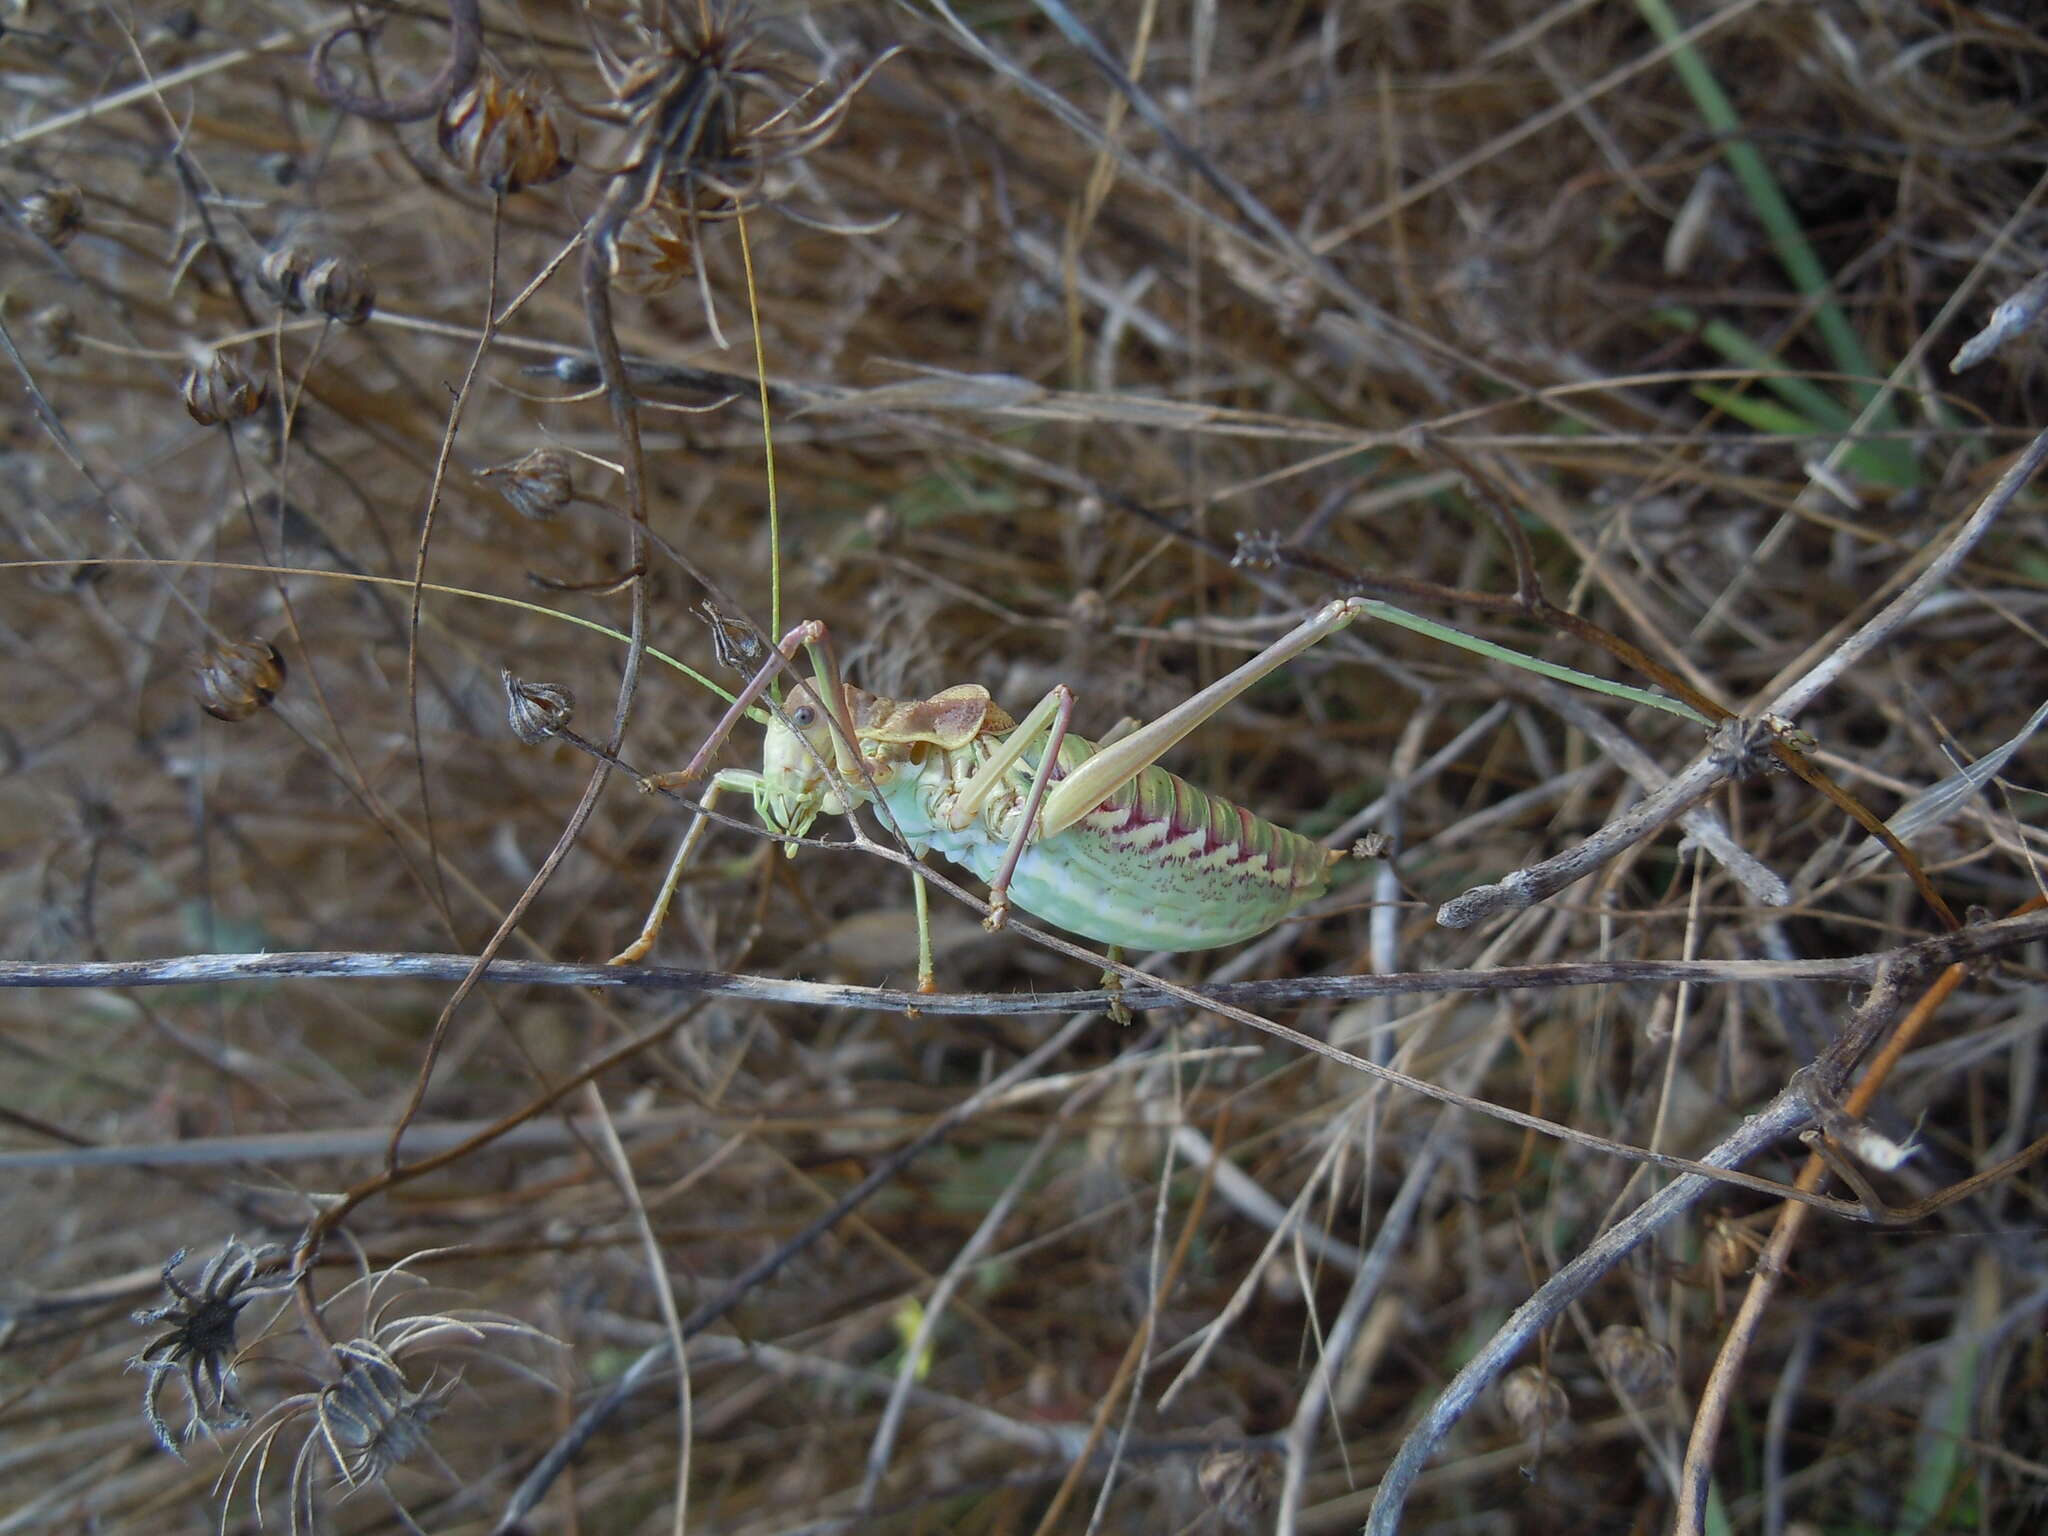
{"type": "Point", "coordinates": [804, 717]}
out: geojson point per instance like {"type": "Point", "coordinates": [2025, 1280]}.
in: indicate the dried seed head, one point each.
{"type": "Point", "coordinates": [881, 524]}
{"type": "Point", "coordinates": [1257, 550]}
{"type": "Point", "coordinates": [54, 329]}
{"type": "Point", "coordinates": [371, 1417]}
{"type": "Point", "coordinates": [375, 1398]}
{"type": "Point", "coordinates": [1238, 1486]}
{"type": "Point", "coordinates": [537, 484]}
{"type": "Point", "coordinates": [1534, 1401]}
{"type": "Point", "coordinates": [683, 101]}
{"type": "Point", "coordinates": [1744, 743]}
{"type": "Point", "coordinates": [1727, 1252]}
{"type": "Point", "coordinates": [707, 116]}
{"type": "Point", "coordinates": [236, 681]}
{"type": "Point", "coordinates": [501, 136]}
{"type": "Point", "coordinates": [736, 643]}
{"type": "Point", "coordinates": [1640, 1366]}
{"type": "Point", "coordinates": [55, 213]}
{"type": "Point", "coordinates": [655, 250]}
{"type": "Point", "coordinates": [300, 279]}
{"type": "Point", "coordinates": [198, 1349]}
{"type": "Point", "coordinates": [222, 390]}
{"type": "Point", "coordinates": [282, 273]}
{"type": "Point", "coordinates": [340, 288]}
{"type": "Point", "coordinates": [536, 711]}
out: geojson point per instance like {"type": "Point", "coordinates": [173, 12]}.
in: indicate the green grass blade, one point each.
{"type": "Point", "coordinates": [1787, 239]}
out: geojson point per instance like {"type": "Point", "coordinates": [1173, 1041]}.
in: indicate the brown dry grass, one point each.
{"type": "Point", "coordinates": [1468, 268]}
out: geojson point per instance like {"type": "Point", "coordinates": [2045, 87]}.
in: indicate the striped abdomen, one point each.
{"type": "Point", "coordinates": [1159, 864]}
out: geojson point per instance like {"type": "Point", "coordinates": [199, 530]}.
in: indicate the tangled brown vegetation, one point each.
{"type": "Point", "coordinates": [370, 360]}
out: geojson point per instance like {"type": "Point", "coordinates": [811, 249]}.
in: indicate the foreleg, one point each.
{"type": "Point", "coordinates": [732, 778]}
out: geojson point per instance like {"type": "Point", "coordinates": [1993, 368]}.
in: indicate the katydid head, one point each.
{"type": "Point", "coordinates": [794, 789]}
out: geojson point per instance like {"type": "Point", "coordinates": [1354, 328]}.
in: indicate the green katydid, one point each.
{"type": "Point", "coordinates": [1095, 839]}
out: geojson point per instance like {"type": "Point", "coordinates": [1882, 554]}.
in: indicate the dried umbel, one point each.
{"type": "Point", "coordinates": [377, 1395]}
{"type": "Point", "coordinates": [199, 1348]}
{"type": "Point", "coordinates": [368, 1418]}
{"type": "Point", "coordinates": [237, 681]}
{"type": "Point", "coordinates": [300, 279]}
{"type": "Point", "coordinates": [537, 483]}
{"type": "Point", "coordinates": [501, 136]}
{"type": "Point", "coordinates": [55, 213]}
{"type": "Point", "coordinates": [221, 389]}
{"type": "Point", "coordinates": [707, 115]}
{"type": "Point", "coordinates": [372, 1414]}
{"type": "Point", "coordinates": [682, 99]}
{"type": "Point", "coordinates": [1534, 1401]}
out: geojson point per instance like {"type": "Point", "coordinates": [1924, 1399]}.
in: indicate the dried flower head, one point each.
{"type": "Point", "coordinates": [1745, 744]}
{"type": "Point", "coordinates": [1373, 845]}
{"type": "Point", "coordinates": [736, 643]}
{"type": "Point", "coordinates": [199, 1347]}
{"type": "Point", "coordinates": [707, 114]}
{"type": "Point", "coordinates": [1258, 549]}
{"type": "Point", "coordinates": [537, 483]}
{"type": "Point", "coordinates": [299, 278]}
{"type": "Point", "coordinates": [373, 1408]}
{"type": "Point", "coordinates": [1534, 1401]}
{"type": "Point", "coordinates": [370, 1416]}
{"type": "Point", "coordinates": [54, 329]}
{"type": "Point", "coordinates": [221, 389]}
{"type": "Point", "coordinates": [282, 272]}
{"type": "Point", "coordinates": [1238, 1486]}
{"type": "Point", "coordinates": [655, 250]}
{"type": "Point", "coordinates": [340, 288]}
{"type": "Point", "coordinates": [536, 711]}
{"type": "Point", "coordinates": [1089, 611]}
{"type": "Point", "coordinates": [682, 99]}
{"type": "Point", "coordinates": [236, 681]}
{"type": "Point", "coordinates": [55, 213]}
{"type": "Point", "coordinates": [1729, 1248]}
{"type": "Point", "coordinates": [1639, 1366]}
{"type": "Point", "coordinates": [501, 136]}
